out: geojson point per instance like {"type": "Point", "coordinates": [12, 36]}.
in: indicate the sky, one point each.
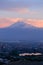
{"type": "Point", "coordinates": [29, 11]}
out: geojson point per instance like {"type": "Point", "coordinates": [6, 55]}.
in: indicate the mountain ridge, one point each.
{"type": "Point", "coordinates": [20, 24]}
{"type": "Point", "coordinates": [21, 33]}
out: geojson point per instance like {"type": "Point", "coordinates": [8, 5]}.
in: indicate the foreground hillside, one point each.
{"type": "Point", "coordinates": [12, 53]}
{"type": "Point", "coordinates": [25, 63]}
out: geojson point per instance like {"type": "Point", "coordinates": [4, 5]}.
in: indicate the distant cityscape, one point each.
{"type": "Point", "coordinates": [11, 51]}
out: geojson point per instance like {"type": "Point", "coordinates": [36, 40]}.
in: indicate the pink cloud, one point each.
{"type": "Point", "coordinates": [5, 22]}
{"type": "Point", "coordinates": [35, 22]}
{"type": "Point", "coordinates": [20, 10]}
{"type": "Point", "coordinates": [24, 11]}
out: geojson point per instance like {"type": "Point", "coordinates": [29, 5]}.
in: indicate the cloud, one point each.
{"type": "Point", "coordinates": [21, 8]}
{"type": "Point", "coordinates": [23, 11]}
{"type": "Point", "coordinates": [5, 22]}
{"type": "Point", "coordinates": [35, 22]}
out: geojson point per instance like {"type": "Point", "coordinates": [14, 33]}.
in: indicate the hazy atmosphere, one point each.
{"type": "Point", "coordinates": [21, 20]}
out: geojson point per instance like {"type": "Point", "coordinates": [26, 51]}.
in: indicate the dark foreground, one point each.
{"type": "Point", "coordinates": [25, 63]}
{"type": "Point", "coordinates": [10, 54]}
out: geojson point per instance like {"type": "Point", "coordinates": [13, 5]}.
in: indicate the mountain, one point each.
{"type": "Point", "coordinates": [21, 31]}
{"type": "Point", "coordinates": [21, 25]}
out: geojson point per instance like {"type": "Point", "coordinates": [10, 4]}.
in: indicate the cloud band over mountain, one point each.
{"type": "Point", "coordinates": [5, 22]}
